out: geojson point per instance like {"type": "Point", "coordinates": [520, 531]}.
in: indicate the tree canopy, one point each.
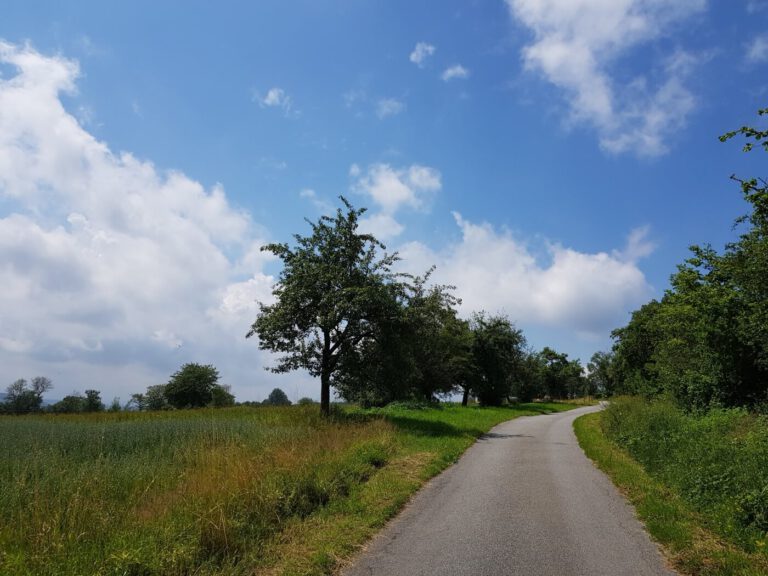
{"type": "Point", "coordinates": [336, 286]}
{"type": "Point", "coordinates": [192, 386]}
{"type": "Point", "coordinates": [706, 341]}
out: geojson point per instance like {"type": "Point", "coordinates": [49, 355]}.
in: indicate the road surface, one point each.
{"type": "Point", "coordinates": [523, 500]}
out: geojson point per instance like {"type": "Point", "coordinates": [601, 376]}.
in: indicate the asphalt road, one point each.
{"type": "Point", "coordinates": [523, 500]}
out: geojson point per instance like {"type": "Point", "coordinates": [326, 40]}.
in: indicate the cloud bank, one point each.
{"type": "Point", "coordinates": [112, 270]}
{"type": "Point", "coordinates": [586, 294]}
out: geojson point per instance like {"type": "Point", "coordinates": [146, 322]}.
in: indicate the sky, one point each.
{"type": "Point", "coordinates": [554, 159]}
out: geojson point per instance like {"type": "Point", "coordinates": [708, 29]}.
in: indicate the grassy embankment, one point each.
{"type": "Point", "coordinates": [235, 491]}
{"type": "Point", "coordinates": [699, 483]}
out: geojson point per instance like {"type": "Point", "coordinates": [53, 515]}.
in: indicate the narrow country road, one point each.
{"type": "Point", "coordinates": [523, 500]}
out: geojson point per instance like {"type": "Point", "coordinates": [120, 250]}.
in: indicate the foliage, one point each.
{"type": "Point", "coordinates": [277, 398]}
{"type": "Point", "coordinates": [92, 401]}
{"type": "Point", "coordinates": [705, 342]}
{"type": "Point", "coordinates": [602, 374]}
{"type": "Point", "coordinates": [71, 404]}
{"type": "Point", "coordinates": [221, 396]}
{"type": "Point", "coordinates": [155, 398]}
{"type": "Point", "coordinates": [717, 462]}
{"type": "Point", "coordinates": [192, 386]}
{"type": "Point", "coordinates": [334, 289]}
{"type": "Point", "coordinates": [498, 352]}
{"type": "Point", "coordinates": [562, 378]}
{"type": "Point", "coordinates": [305, 401]}
{"type": "Point", "coordinates": [23, 398]}
{"type": "Point", "coordinates": [422, 350]}
{"type": "Point", "coordinates": [685, 533]}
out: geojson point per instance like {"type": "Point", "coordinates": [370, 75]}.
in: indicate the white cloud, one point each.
{"type": "Point", "coordinates": [276, 98]}
{"type": "Point", "coordinates": [455, 72]}
{"type": "Point", "coordinates": [495, 271]}
{"type": "Point", "coordinates": [754, 6]}
{"type": "Point", "coordinates": [421, 54]}
{"type": "Point", "coordinates": [394, 188]}
{"type": "Point", "coordinates": [577, 42]}
{"type": "Point", "coordinates": [382, 225]}
{"type": "Point", "coordinates": [757, 50]}
{"type": "Point", "coordinates": [389, 107]}
{"type": "Point", "coordinates": [114, 273]}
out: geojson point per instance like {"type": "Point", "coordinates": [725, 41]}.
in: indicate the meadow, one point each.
{"type": "Point", "coordinates": [226, 491]}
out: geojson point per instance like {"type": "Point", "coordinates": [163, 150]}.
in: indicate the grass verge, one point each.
{"type": "Point", "coordinates": [226, 492]}
{"type": "Point", "coordinates": [690, 546]}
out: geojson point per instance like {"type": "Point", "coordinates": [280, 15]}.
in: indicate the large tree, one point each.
{"type": "Point", "coordinates": [420, 351]}
{"type": "Point", "coordinates": [335, 287]}
{"type": "Point", "coordinates": [192, 386]}
{"type": "Point", "coordinates": [498, 350]}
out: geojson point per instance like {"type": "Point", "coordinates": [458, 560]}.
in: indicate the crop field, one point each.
{"type": "Point", "coordinates": [227, 491]}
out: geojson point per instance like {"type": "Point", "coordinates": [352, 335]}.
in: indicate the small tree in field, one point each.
{"type": "Point", "coordinates": [277, 398]}
{"type": "Point", "coordinates": [334, 287]}
{"type": "Point", "coordinates": [92, 402]}
{"type": "Point", "coordinates": [192, 386]}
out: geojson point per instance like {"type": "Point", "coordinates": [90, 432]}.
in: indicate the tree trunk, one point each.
{"type": "Point", "coordinates": [325, 375]}
{"type": "Point", "coordinates": [465, 398]}
{"type": "Point", "coordinates": [325, 393]}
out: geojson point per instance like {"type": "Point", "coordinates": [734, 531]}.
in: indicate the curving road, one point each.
{"type": "Point", "coordinates": [523, 500]}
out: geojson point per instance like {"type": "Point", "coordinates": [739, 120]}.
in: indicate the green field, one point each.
{"type": "Point", "coordinates": [228, 491]}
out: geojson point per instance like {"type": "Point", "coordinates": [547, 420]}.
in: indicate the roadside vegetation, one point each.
{"type": "Point", "coordinates": [698, 482]}
{"type": "Point", "coordinates": [690, 446]}
{"type": "Point", "coordinates": [272, 490]}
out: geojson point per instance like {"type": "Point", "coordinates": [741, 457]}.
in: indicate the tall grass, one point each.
{"type": "Point", "coordinates": [233, 491]}
{"type": "Point", "coordinates": [716, 461]}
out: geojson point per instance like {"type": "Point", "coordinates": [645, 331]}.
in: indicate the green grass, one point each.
{"type": "Point", "coordinates": [691, 537]}
{"type": "Point", "coordinates": [234, 491]}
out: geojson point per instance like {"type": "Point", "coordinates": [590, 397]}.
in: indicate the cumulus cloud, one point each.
{"type": "Point", "coordinates": [392, 189]}
{"type": "Point", "coordinates": [455, 72]}
{"type": "Point", "coordinates": [575, 46]}
{"type": "Point", "coordinates": [386, 107]}
{"type": "Point", "coordinates": [421, 54]}
{"type": "Point", "coordinates": [495, 271]}
{"type": "Point", "coordinates": [113, 272]}
{"type": "Point", "coordinates": [757, 49]}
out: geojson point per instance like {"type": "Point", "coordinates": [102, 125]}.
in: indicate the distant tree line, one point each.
{"type": "Point", "coordinates": [705, 343]}
{"type": "Point", "coordinates": [192, 386]}
{"type": "Point", "coordinates": [342, 313]}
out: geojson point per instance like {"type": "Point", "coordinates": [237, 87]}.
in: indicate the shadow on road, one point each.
{"type": "Point", "coordinates": [494, 435]}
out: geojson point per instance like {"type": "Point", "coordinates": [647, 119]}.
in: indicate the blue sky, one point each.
{"type": "Point", "coordinates": [553, 158]}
